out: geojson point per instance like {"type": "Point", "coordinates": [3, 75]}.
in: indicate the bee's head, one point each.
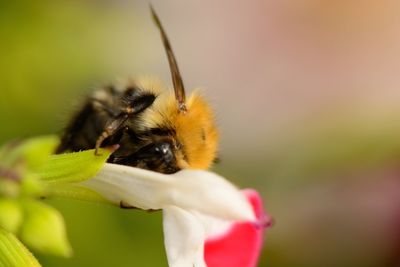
{"type": "Point", "coordinates": [175, 139]}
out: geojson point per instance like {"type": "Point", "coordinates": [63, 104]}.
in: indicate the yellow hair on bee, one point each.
{"type": "Point", "coordinates": [195, 130]}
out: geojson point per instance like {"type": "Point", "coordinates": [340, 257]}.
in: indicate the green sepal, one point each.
{"type": "Point", "coordinates": [72, 191]}
{"type": "Point", "coordinates": [73, 167]}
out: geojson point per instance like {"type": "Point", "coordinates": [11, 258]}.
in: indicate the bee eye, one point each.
{"type": "Point", "coordinates": [165, 151]}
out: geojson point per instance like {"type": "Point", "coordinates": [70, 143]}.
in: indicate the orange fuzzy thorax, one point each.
{"type": "Point", "coordinates": [197, 132]}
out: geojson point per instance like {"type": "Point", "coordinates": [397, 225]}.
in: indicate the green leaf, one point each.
{"type": "Point", "coordinates": [73, 167]}
{"type": "Point", "coordinates": [43, 229]}
{"type": "Point", "coordinates": [10, 215]}
{"type": "Point", "coordinates": [13, 253]}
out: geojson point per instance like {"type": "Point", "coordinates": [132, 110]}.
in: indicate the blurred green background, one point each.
{"type": "Point", "coordinates": [306, 94]}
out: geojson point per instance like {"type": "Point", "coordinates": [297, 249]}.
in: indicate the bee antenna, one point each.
{"type": "Point", "coordinates": [173, 65]}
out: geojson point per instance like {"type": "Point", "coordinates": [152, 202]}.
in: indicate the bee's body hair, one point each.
{"type": "Point", "coordinates": [190, 137]}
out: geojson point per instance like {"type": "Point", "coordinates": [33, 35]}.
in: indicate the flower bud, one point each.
{"type": "Point", "coordinates": [43, 229]}
{"type": "Point", "coordinates": [31, 186]}
{"type": "Point", "coordinates": [10, 215]}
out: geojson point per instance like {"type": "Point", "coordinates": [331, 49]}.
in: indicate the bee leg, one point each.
{"type": "Point", "coordinates": [124, 205]}
{"type": "Point", "coordinates": [136, 105]}
{"type": "Point", "coordinates": [111, 128]}
{"type": "Point", "coordinates": [103, 106]}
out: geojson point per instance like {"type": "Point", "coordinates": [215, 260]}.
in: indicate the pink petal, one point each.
{"type": "Point", "coordinates": [240, 245]}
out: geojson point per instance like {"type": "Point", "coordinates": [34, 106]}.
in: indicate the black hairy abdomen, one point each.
{"type": "Point", "coordinates": [83, 130]}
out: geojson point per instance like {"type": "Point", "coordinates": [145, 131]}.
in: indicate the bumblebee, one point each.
{"type": "Point", "coordinates": [155, 128]}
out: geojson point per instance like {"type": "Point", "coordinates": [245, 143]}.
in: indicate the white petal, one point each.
{"type": "Point", "coordinates": [137, 187]}
{"type": "Point", "coordinates": [195, 190]}
{"type": "Point", "coordinates": [213, 226]}
{"type": "Point", "coordinates": [183, 238]}
{"type": "Point", "coordinates": [210, 194]}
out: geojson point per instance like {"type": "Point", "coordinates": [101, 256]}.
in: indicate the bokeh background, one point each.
{"type": "Point", "coordinates": [307, 96]}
